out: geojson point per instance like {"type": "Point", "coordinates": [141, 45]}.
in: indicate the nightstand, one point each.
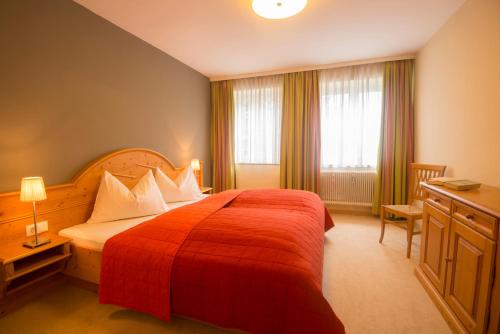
{"type": "Point", "coordinates": [206, 190]}
{"type": "Point", "coordinates": [21, 267]}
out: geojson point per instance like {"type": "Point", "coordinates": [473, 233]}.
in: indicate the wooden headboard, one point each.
{"type": "Point", "coordinates": [72, 203]}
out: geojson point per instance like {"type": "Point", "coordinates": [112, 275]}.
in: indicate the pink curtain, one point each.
{"type": "Point", "coordinates": [396, 135]}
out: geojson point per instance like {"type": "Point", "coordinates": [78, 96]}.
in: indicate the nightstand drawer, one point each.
{"type": "Point", "coordinates": [479, 221]}
{"type": "Point", "coordinates": [439, 201]}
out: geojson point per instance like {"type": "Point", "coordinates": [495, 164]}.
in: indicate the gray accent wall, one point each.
{"type": "Point", "coordinates": [73, 87]}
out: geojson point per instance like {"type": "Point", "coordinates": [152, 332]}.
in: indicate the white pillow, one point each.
{"type": "Point", "coordinates": [185, 187]}
{"type": "Point", "coordinates": [115, 201]}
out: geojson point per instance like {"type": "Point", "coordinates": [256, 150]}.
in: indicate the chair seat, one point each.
{"type": "Point", "coordinates": [404, 210]}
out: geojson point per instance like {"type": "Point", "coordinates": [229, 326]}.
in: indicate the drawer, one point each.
{"type": "Point", "coordinates": [439, 201]}
{"type": "Point", "coordinates": [478, 220]}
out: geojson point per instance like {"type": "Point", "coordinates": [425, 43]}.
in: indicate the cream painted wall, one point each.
{"type": "Point", "coordinates": [257, 176]}
{"type": "Point", "coordinates": [458, 94]}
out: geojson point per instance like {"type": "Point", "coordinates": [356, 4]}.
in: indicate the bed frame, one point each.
{"type": "Point", "coordinates": [72, 203]}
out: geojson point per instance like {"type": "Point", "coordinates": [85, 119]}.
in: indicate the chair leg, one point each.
{"type": "Point", "coordinates": [409, 236]}
{"type": "Point", "coordinates": [382, 224]}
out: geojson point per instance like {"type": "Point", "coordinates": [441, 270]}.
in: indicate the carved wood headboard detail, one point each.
{"type": "Point", "coordinates": [72, 203]}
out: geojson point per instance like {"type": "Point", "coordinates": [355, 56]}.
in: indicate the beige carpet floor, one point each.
{"type": "Point", "coordinates": [371, 287]}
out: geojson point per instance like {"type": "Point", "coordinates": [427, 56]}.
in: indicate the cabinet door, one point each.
{"type": "Point", "coordinates": [469, 276]}
{"type": "Point", "coordinates": [433, 252]}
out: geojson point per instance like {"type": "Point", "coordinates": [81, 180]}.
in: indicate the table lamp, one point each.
{"type": "Point", "coordinates": [33, 190]}
{"type": "Point", "coordinates": [195, 164]}
{"type": "Point", "coordinates": [196, 167]}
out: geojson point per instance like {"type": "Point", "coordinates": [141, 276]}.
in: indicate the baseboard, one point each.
{"type": "Point", "coordinates": [361, 210]}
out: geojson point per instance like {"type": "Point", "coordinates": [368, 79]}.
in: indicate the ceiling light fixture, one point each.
{"type": "Point", "coordinates": [278, 9]}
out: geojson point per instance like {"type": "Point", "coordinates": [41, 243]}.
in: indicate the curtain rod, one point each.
{"type": "Point", "coordinates": [313, 67]}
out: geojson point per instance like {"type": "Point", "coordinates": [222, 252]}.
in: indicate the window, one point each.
{"type": "Point", "coordinates": [257, 103]}
{"type": "Point", "coordinates": [351, 109]}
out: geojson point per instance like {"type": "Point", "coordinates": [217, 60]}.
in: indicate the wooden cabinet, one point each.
{"type": "Point", "coordinates": [459, 256]}
{"type": "Point", "coordinates": [469, 278]}
{"type": "Point", "coordinates": [434, 248]}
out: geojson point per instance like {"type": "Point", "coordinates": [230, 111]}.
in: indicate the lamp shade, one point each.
{"type": "Point", "coordinates": [32, 189]}
{"type": "Point", "coordinates": [195, 164]}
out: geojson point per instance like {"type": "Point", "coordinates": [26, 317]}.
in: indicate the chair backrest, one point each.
{"type": "Point", "coordinates": [422, 173]}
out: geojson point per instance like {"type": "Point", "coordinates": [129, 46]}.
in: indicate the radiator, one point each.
{"type": "Point", "coordinates": [347, 187]}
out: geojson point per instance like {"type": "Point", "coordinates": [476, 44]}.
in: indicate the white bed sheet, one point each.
{"type": "Point", "coordinates": [94, 236]}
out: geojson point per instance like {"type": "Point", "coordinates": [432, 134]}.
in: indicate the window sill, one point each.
{"type": "Point", "coordinates": [256, 164]}
{"type": "Point", "coordinates": [361, 169]}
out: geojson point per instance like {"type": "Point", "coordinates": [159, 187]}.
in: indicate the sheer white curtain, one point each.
{"type": "Point", "coordinates": [351, 109]}
{"type": "Point", "coordinates": [257, 108]}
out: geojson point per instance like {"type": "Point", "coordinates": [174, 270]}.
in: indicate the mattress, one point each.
{"type": "Point", "coordinates": [94, 236]}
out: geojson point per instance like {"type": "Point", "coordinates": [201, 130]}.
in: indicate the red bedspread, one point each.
{"type": "Point", "coordinates": [249, 260]}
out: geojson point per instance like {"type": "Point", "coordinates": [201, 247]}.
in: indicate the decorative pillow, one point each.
{"type": "Point", "coordinates": [115, 201]}
{"type": "Point", "coordinates": [184, 188]}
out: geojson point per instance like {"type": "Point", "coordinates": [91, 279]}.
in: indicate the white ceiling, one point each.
{"type": "Point", "coordinates": [224, 38]}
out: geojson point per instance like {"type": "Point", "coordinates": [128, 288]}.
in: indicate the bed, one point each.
{"type": "Point", "coordinates": [248, 260]}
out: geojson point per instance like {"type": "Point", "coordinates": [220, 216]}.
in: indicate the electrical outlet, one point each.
{"type": "Point", "coordinates": [42, 226]}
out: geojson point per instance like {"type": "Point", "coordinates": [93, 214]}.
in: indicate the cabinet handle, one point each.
{"type": "Point", "coordinates": [469, 217]}
{"type": "Point", "coordinates": [437, 200]}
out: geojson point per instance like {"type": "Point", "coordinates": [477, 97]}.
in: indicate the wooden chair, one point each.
{"type": "Point", "coordinates": [404, 216]}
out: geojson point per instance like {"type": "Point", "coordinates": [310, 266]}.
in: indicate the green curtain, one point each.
{"type": "Point", "coordinates": [300, 132]}
{"type": "Point", "coordinates": [222, 136]}
{"type": "Point", "coordinates": [396, 135]}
